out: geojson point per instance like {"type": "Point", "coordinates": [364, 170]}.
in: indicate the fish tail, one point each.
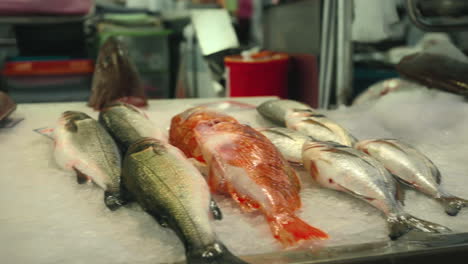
{"type": "Point", "coordinates": [113, 200]}
{"type": "Point", "coordinates": [453, 204]}
{"type": "Point", "coordinates": [215, 253]}
{"type": "Point", "coordinates": [290, 230]}
{"type": "Point", "coordinates": [403, 223]}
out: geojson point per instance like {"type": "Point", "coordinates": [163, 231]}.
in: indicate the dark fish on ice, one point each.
{"type": "Point", "coordinates": [172, 190]}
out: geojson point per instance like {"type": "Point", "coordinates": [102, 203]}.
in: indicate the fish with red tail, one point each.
{"type": "Point", "coordinates": [245, 165]}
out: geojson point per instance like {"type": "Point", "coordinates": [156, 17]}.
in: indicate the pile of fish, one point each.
{"type": "Point", "coordinates": [126, 155]}
{"type": "Point", "coordinates": [372, 170]}
{"type": "Point", "coordinates": [155, 174]}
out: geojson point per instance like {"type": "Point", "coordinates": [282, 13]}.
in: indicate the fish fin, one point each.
{"type": "Point", "coordinates": [289, 230]}
{"type": "Point", "coordinates": [452, 204]}
{"type": "Point", "coordinates": [246, 203]}
{"type": "Point", "coordinates": [400, 193]}
{"type": "Point", "coordinates": [162, 220]}
{"type": "Point", "coordinates": [434, 170]}
{"type": "Point", "coordinates": [314, 122]}
{"type": "Point", "coordinates": [279, 133]}
{"type": "Point", "coordinates": [215, 253]}
{"type": "Point", "coordinates": [81, 178]}
{"type": "Point", "coordinates": [217, 214]}
{"type": "Point", "coordinates": [216, 173]}
{"type": "Point", "coordinates": [403, 223]}
{"type": "Point", "coordinates": [71, 126]}
{"type": "Point", "coordinates": [114, 200]}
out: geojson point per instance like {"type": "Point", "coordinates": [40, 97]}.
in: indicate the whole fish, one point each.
{"type": "Point", "coordinates": [126, 124]}
{"type": "Point", "coordinates": [171, 189]}
{"type": "Point", "coordinates": [288, 142]}
{"type": "Point", "coordinates": [246, 165]}
{"type": "Point", "coordinates": [84, 146]}
{"type": "Point", "coordinates": [300, 117]}
{"type": "Point", "coordinates": [319, 127]}
{"type": "Point", "coordinates": [349, 170]}
{"type": "Point", "coordinates": [275, 110]}
{"type": "Point", "coordinates": [413, 168]}
{"type": "Point", "coordinates": [115, 77]}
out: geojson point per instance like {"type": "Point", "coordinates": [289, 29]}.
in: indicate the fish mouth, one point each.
{"type": "Point", "coordinates": [74, 115]}
{"type": "Point", "coordinates": [145, 143]}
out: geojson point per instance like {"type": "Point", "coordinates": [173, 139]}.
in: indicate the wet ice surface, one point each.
{"type": "Point", "coordinates": [46, 217]}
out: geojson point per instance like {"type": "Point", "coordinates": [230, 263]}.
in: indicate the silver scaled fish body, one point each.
{"type": "Point", "coordinates": [275, 110]}
{"type": "Point", "coordinates": [288, 142]}
{"type": "Point", "coordinates": [302, 118]}
{"type": "Point", "coordinates": [412, 168]}
{"type": "Point", "coordinates": [126, 123]}
{"type": "Point", "coordinates": [171, 189]}
{"type": "Point", "coordinates": [84, 146]}
{"type": "Point", "coordinates": [351, 171]}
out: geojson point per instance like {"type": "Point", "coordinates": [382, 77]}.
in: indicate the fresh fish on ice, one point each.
{"type": "Point", "coordinates": [84, 146]}
{"type": "Point", "coordinates": [319, 127]}
{"type": "Point", "coordinates": [275, 110]}
{"type": "Point", "coordinates": [287, 141]}
{"type": "Point", "coordinates": [126, 124]}
{"type": "Point", "coordinates": [300, 117]}
{"type": "Point", "coordinates": [171, 189]}
{"type": "Point", "coordinates": [349, 170]}
{"type": "Point", "coordinates": [413, 168]}
{"type": "Point", "coordinates": [245, 165]}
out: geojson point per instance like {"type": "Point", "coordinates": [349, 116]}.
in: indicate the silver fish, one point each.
{"type": "Point", "coordinates": [318, 126]}
{"type": "Point", "coordinates": [287, 141]}
{"type": "Point", "coordinates": [170, 188]}
{"type": "Point", "coordinates": [349, 170]}
{"type": "Point", "coordinates": [301, 117]}
{"type": "Point", "coordinates": [276, 110]}
{"type": "Point", "coordinates": [413, 168]}
{"type": "Point", "coordinates": [126, 124]}
{"type": "Point", "coordinates": [84, 146]}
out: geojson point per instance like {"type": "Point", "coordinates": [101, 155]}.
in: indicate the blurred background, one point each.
{"type": "Point", "coordinates": [323, 53]}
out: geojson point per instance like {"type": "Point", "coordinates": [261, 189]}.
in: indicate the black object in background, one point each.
{"type": "Point", "coordinates": [63, 39]}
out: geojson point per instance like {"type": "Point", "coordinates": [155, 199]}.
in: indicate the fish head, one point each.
{"type": "Point", "coordinates": [112, 55]}
{"type": "Point", "coordinates": [115, 75]}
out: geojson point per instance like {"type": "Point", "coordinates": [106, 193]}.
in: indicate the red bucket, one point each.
{"type": "Point", "coordinates": [264, 74]}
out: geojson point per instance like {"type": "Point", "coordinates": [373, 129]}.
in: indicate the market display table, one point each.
{"type": "Point", "coordinates": [46, 217]}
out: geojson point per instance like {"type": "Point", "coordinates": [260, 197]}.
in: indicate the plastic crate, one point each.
{"type": "Point", "coordinates": [37, 79]}
{"type": "Point", "coordinates": [148, 47]}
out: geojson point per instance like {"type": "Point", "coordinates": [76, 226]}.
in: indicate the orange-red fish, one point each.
{"type": "Point", "coordinates": [244, 164]}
